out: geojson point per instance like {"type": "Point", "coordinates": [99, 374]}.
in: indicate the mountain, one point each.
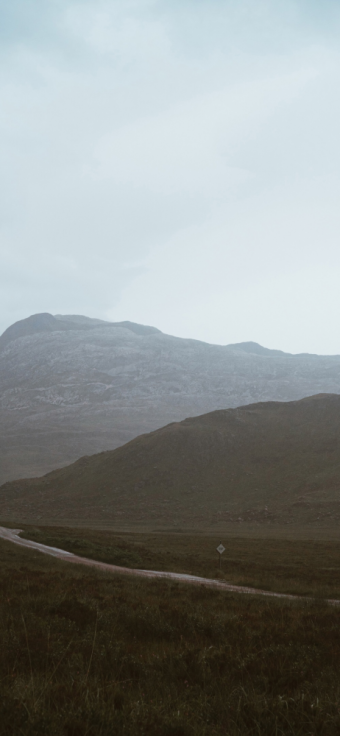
{"type": "Point", "coordinates": [47, 323]}
{"type": "Point", "coordinates": [264, 463]}
{"type": "Point", "coordinates": [71, 385]}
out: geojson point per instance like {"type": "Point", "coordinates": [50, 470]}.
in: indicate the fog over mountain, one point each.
{"type": "Point", "coordinates": [71, 385]}
{"type": "Point", "coordinates": [173, 163]}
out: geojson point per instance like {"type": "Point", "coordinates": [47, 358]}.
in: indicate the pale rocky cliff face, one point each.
{"type": "Point", "coordinates": [71, 386]}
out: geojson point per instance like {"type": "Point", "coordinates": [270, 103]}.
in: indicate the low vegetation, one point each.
{"type": "Point", "coordinates": [93, 654]}
{"type": "Point", "coordinates": [268, 464]}
{"type": "Point", "coordinates": [310, 568]}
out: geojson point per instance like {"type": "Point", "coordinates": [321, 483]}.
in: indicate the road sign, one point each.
{"type": "Point", "coordinates": [220, 550]}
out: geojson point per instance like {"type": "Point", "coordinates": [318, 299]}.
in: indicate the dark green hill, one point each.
{"type": "Point", "coordinates": [263, 463]}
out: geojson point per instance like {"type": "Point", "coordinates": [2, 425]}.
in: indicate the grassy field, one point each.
{"type": "Point", "coordinates": [93, 654]}
{"type": "Point", "coordinates": [302, 567]}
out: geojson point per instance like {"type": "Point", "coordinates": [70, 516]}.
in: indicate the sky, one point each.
{"type": "Point", "coordinates": [173, 163]}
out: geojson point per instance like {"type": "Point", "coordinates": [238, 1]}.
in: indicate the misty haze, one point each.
{"type": "Point", "coordinates": [169, 368]}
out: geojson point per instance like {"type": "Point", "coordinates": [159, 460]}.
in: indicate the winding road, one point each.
{"type": "Point", "coordinates": [12, 535]}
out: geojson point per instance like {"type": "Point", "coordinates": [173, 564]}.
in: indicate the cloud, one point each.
{"type": "Point", "coordinates": [159, 152]}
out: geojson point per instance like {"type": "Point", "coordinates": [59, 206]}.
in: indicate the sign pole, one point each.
{"type": "Point", "coordinates": [220, 550]}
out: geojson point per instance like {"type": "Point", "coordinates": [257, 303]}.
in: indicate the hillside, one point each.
{"type": "Point", "coordinates": [262, 463]}
{"type": "Point", "coordinates": [71, 385]}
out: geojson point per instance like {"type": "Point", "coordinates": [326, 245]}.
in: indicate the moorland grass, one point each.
{"type": "Point", "coordinates": [93, 654]}
{"type": "Point", "coordinates": [301, 567]}
{"type": "Point", "coordinates": [272, 463]}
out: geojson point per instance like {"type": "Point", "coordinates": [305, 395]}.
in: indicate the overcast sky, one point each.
{"type": "Point", "coordinates": [174, 163]}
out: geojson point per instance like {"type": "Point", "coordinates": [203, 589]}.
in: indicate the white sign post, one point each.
{"type": "Point", "coordinates": [220, 550]}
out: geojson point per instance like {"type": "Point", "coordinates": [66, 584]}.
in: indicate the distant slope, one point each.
{"type": "Point", "coordinates": [46, 322]}
{"type": "Point", "coordinates": [255, 349]}
{"type": "Point", "coordinates": [71, 385]}
{"type": "Point", "coordinates": [264, 463]}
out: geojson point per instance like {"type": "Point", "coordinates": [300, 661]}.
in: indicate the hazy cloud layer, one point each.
{"type": "Point", "coordinates": [173, 163]}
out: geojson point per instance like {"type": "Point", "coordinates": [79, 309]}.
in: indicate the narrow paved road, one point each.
{"type": "Point", "coordinates": [12, 535]}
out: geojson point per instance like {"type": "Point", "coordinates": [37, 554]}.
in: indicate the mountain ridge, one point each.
{"type": "Point", "coordinates": [46, 322]}
{"type": "Point", "coordinates": [72, 385]}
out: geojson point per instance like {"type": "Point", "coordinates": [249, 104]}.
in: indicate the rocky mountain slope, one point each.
{"type": "Point", "coordinates": [266, 463]}
{"type": "Point", "coordinates": [71, 385]}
